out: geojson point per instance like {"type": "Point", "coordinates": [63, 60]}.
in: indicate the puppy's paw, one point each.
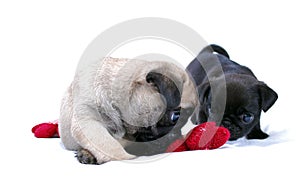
{"type": "Point", "coordinates": [257, 134]}
{"type": "Point", "coordinates": [85, 157]}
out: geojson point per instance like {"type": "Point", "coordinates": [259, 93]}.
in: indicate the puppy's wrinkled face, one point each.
{"type": "Point", "coordinates": [156, 137]}
{"type": "Point", "coordinates": [242, 110]}
{"type": "Point", "coordinates": [155, 101]}
{"type": "Point", "coordinates": [245, 99]}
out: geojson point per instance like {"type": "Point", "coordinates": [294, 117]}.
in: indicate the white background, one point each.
{"type": "Point", "coordinates": [41, 43]}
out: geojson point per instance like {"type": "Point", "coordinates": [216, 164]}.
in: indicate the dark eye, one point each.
{"type": "Point", "coordinates": [209, 109]}
{"type": "Point", "coordinates": [175, 115]}
{"type": "Point", "coordinates": [247, 118]}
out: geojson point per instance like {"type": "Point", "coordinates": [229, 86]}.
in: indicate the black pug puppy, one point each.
{"type": "Point", "coordinates": [229, 93]}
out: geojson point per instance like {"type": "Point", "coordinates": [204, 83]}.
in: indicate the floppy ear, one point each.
{"type": "Point", "coordinates": [267, 95]}
{"type": "Point", "coordinates": [166, 87]}
{"type": "Point", "coordinates": [219, 50]}
{"type": "Point", "coordinates": [215, 48]}
{"type": "Point", "coordinates": [203, 91]}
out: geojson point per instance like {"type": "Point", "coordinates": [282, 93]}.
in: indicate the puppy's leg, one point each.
{"type": "Point", "coordinates": [89, 132]}
{"type": "Point", "coordinates": [65, 119]}
{"type": "Point", "coordinates": [257, 133]}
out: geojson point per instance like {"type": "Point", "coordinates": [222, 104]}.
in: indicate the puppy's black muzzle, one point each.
{"type": "Point", "coordinates": [163, 127]}
{"type": "Point", "coordinates": [155, 139]}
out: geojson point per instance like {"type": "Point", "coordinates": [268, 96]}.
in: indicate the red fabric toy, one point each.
{"type": "Point", "coordinates": [46, 130]}
{"type": "Point", "coordinates": [202, 137]}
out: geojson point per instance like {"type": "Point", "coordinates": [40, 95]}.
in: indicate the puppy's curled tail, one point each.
{"type": "Point", "coordinates": [215, 48]}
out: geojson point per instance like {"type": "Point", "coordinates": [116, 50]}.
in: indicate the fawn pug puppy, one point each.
{"type": "Point", "coordinates": [116, 106]}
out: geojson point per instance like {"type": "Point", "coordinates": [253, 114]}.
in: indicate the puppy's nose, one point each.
{"type": "Point", "coordinates": [226, 121]}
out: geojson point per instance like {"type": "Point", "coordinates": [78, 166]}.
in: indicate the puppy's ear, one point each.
{"type": "Point", "coordinates": [215, 48]}
{"type": "Point", "coordinates": [166, 87]}
{"type": "Point", "coordinates": [203, 91]}
{"type": "Point", "coordinates": [219, 50]}
{"type": "Point", "coordinates": [267, 95]}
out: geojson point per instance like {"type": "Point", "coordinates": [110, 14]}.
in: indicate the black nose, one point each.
{"type": "Point", "coordinates": [226, 122]}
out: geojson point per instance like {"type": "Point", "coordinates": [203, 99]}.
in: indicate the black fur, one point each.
{"type": "Point", "coordinates": [245, 96]}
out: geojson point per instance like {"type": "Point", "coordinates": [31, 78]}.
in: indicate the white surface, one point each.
{"type": "Point", "coordinates": [41, 43]}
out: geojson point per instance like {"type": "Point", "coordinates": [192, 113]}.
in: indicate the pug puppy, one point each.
{"type": "Point", "coordinates": [219, 78]}
{"type": "Point", "coordinates": [117, 109]}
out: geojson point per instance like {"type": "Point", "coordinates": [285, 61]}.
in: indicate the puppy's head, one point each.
{"type": "Point", "coordinates": [163, 110]}
{"type": "Point", "coordinates": [245, 99]}
{"type": "Point", "coordinates": [161, 97]}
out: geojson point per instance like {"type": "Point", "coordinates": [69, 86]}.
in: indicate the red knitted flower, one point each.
{"type": "Point", "coordinates": [204, 136]}
{"type": "Point", "coordinates": [45, 130]}
{"type": "Point", "coordinates": [207, 136]}
{"type": "Point", "coordinates": [177, 146]}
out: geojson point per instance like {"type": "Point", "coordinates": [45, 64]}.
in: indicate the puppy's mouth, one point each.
{"type": "Point", "coordinates": [163, 127]}
{"type": "Point", "coordinates": [151, 133]}
{"type": "Point", "coordinates": [155, 139]}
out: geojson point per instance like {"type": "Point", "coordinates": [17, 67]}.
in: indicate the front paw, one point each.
{"type": "Point", "coordinates": [85, 157]}
{"type": "Point", "coordinates": [257, 133]}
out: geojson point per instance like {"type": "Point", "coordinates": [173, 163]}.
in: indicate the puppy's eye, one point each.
{"type": "Point", "coordinates": [175, 116]}
{"type": "Point", "coordinates": [209, 109]}
{"type": "Point", "coordinates": [247, 118]}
